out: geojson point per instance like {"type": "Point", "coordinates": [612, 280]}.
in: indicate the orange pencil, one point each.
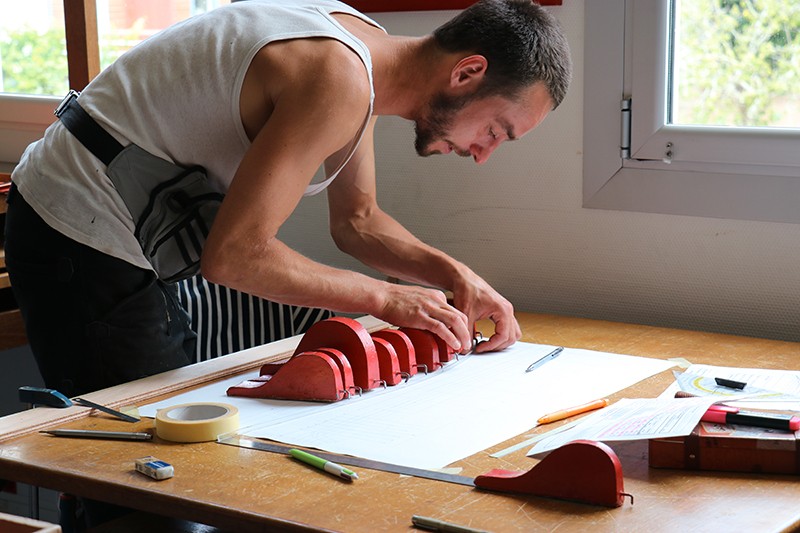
{"type": "Point", "coordinates": [572, 411]}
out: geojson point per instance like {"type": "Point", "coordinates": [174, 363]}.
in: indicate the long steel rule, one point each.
{"type": "Point", "coordinates": [242, 442]}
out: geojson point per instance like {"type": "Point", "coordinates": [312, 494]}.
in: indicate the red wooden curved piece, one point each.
{"type": "Point", "coordinates": [344, 367]}
{"type": "Point", "coordinates": [351, 338]}
{"type": "Point", "coordinates": [446, 353]}
{"type": "Point", "coordinates": [425, 347]}
{"type": "Point", "coordinates": [313, 376]}
{"type": "Point", "coordinates": [583, 471]}
{"type": "Point", "coordinates": [406, 356]}
{"type": "Point", "coordinates": [269, 369]}
{"type": "Point", "coordinates": [387, 361]}
{"type": "Point", "coordinates": [251, 388]}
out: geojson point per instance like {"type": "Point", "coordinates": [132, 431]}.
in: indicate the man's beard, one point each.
{"type": "Point", "coordinates": [436, 125]}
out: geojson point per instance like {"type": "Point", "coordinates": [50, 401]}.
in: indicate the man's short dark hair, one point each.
{"type": "Point", "coordinates": [521, 41]}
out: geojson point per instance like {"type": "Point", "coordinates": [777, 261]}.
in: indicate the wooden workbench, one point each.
{"type": "Point", "coordinates": [247, 490]}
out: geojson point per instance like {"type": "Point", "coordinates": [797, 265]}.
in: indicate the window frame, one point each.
{"type": "Point", "coordinates": [23, 118]}
{"type": "Point", "coordinates": [706, 171]}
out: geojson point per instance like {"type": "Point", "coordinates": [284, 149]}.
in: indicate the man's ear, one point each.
{"type": "Point", "coordinates": [468, 71]}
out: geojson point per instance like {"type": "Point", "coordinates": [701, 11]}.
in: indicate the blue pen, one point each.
{"type": "Point", "coordinates": [549, 357]}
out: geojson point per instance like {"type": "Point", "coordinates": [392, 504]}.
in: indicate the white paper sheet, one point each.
{"type": "Point", "coordinates": [633, 419]}
{"type": "Point", "coordinates": [765, 389]}
{"type": "Point", "coordinates": [434, 420]}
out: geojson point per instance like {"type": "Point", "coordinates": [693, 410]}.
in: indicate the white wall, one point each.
{"type": "Point", "coordinates": [518, 222]}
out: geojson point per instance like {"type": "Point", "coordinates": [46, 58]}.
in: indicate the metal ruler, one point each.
{"type": "Point", "coordinates": [243, 442]}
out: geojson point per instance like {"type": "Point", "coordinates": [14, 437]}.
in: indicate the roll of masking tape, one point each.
{"type": "Point", "coordinates": [196, 422]}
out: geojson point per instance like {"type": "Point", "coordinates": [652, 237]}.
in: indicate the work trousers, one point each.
{"type": "Point", "coordinates": [92, 320]}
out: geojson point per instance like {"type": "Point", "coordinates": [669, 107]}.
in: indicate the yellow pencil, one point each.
{"type": "Point", "coordinates": [572, 411]}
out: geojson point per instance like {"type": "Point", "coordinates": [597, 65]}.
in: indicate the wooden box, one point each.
{"type": "Point", "coordinates": [729, 448]}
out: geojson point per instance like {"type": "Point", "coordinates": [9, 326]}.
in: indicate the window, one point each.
{"type": "Point", "coordinates": [644, 147]}
{"type": "Point", "coordinates": [33, 53]}
{"type": "Point", "coordinates": [734, 63]}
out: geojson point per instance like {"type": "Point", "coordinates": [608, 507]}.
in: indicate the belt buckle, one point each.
{"type": "Point", "coordinates": [71, 95]}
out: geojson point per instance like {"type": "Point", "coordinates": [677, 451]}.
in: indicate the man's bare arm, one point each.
{"type": "Point", "coordinates": [366, 232]}
{"type": "Point", "coordinates": [310, 118]}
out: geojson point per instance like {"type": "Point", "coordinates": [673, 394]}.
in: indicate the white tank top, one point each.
{"type": "Point", "coordinates": [177, 96]}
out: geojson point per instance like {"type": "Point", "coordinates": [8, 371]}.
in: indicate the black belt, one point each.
{"type": "Point", "coordinates": [86, 130]}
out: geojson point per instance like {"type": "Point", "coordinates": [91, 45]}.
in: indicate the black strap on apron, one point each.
{"type": "Point", "coordinates": [86, 130]}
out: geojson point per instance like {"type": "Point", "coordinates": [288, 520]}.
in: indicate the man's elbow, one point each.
{"type": "Point", "coordinates": [216, 268]}
{"type": "Point", "coordinates": [339, 240]}
{"type": "Point", "coordinates": [344, 237]}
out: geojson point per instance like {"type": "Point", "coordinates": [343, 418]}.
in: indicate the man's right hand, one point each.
{"type": "Point", "coordinates": [423, 308]}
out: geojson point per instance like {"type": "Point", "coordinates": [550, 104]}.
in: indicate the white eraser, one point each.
{"type": "Point", "coordinates": [154, 468]}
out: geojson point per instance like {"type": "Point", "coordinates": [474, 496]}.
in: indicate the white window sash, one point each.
{"type": "Point", "coordinates": [740, 173]}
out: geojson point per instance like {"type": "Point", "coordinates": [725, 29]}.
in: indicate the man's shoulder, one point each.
{"type": "Point", "coordinates": [315, 61]}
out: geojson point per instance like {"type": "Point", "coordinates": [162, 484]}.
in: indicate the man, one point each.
{"type": "Point", "coordinates": [261, 94]}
